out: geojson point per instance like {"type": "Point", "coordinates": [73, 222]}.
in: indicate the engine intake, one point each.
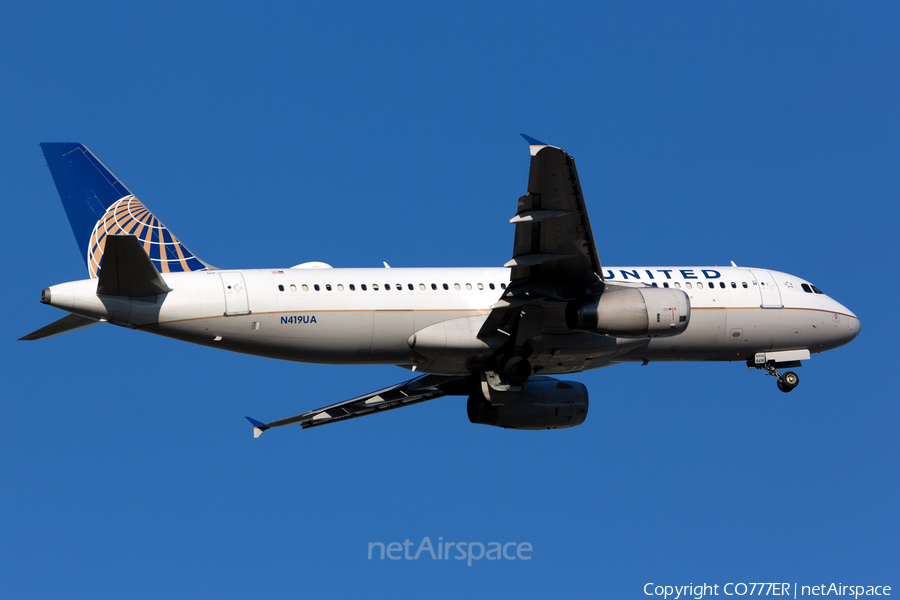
{"type": "Point", "coordinates": [632, 312]}
{"type": "Point", "coordinates": [545, 403]}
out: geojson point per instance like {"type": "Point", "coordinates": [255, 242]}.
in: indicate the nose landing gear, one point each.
{"type": "Point", "coordinates": [786, 382]}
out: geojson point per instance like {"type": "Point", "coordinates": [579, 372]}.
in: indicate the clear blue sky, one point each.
{"type": "Point", "coordinates": [269, 134]}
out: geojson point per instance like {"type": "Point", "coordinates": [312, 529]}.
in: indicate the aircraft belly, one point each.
{"type": "Point", "coordinates": [703, 339]}
{"type": "Point", "coordinates": [450, 346]}
{"type": "Point", "coordinates": [390, 331]}
{"type": "Point", "coordinates": [574, 352]}
{"type": "Point", "coordinates": [744, 332]}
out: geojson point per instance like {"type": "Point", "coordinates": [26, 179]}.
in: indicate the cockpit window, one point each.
{"type": "Point", "coordinates": [806, 288]}
{"type": "Point", "coordinates": [816, 290]}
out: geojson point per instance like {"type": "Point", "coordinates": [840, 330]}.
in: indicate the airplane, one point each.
{"type": "Point", "coordinates": [494, 334]}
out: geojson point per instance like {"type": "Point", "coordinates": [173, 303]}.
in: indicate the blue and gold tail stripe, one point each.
{"type": "Point", "coordinates": [128, 216]}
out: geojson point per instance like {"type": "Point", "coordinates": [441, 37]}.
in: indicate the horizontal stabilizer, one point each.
{"type": "Point", "coordinates": [127, 270]}
{"type": "Point", "coordinates": [64, 325]}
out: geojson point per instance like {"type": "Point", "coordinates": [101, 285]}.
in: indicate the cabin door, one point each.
{"type": "Point", "coordinates": [768, 290]}
{"type": "Point", "coordinates": [236, 302]}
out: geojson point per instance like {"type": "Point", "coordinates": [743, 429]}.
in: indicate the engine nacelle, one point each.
{"type": "Point", "coordinates": [545, 403]}
{"type": "Point", "coordinates": [632, 312]}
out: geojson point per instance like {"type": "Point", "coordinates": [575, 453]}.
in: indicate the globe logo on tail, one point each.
{"type": "Point", "coordinates": [128, 216]}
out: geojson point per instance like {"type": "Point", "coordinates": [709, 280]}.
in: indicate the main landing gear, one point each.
{"type": "Point", "coordinates": [517, 370]}
{"type": "Point", "coordinates": [510, 371]}
{"type": "Point", "coordinates": [786, 382]}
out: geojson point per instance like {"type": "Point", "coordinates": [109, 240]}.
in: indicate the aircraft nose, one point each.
{"type": "Point", "coordinates": [848, 327]}
{"type": "Point", "coordinates": [854, 326]}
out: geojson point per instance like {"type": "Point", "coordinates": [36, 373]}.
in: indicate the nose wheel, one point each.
{"type": "Point", "coordinates": [789, 381]}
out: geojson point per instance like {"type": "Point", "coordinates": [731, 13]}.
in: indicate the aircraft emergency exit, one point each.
{"type": "Point", "coordinates": [493, 334]}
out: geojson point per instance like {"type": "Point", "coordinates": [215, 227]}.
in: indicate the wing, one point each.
{"type": "Point", "coordinates": [420, 389]}
{"type": "Point", "coordinates": [554, 243]}
{"type": "Point", "coordinates": [554, 254]}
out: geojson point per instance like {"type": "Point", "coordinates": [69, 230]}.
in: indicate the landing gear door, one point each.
{"type": "Point", "coordinates": [236, 302]}
{"type": "Point", "coordinates": [768, 290]}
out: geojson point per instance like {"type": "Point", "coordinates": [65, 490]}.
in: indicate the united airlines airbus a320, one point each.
{"type": "Point", "coordinates": [492, 334]}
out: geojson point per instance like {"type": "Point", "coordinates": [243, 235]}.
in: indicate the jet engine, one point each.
{"type": "Point", "coordinates": [545, 403]}
{"type": "Point", "coordinates": [632, 313]}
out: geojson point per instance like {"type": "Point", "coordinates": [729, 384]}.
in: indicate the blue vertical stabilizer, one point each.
{"type": "Point", "coordinates": [98, 205]}
{"type": "Point", "coordinates": [86, 187]}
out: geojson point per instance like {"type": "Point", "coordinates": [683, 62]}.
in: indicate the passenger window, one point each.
{"type": "Point", "coordinates": [387, 287]}
{"type": "Point", "coordinates": [455, 286]}
{"type": "Point", "coordinates": [340, 287]}
{"type": "Point", "coordinates": [687, 284]}
{"type": "Point", "coordinates": [480, 287]}
{"type": "Point", "coordinates": [654, 284]}
{"type": "Point", "coordinates": [733, 284]}
{"type": "Point", "coordinates": [362, 287]}
{"type": "Point", "coordinates": [280, 288]}
{"type": "Point", "coordinates": [352, 288]}
{"type": "Point", "coordinates": [305, 288]}
{"type": "Point", "coordinates": [399, 287]}
{"type": "Point", "coordinates": [502, 286]}
{"type": "Point", "coordinates": [678, 285]}
{"type": "Point", "coordinates": [806, 288]}
{"type": "Point", "coordinates": [434, 286]}
{"type": "Point", "coordinates": [316, 287]}
{"type": "Point", "coordinates": [722, 284]}
{"type": "Point", "coordinates": [699, 285]}
{"type": "Point", "coordinates": [665, 284]}
{"type": "Point", "coordinates": [421, 286]}
{"type": "Point", "coordinates": [374, 287]}
{"type": "Point", "coordinates": [293, 288]}
{"type": "Point", "coordinates": [328, 286]}
{"type": "Point", "coordinates": [410, 286]}
{"type": "Point", "coordinates": [491, 285]}
{"type": "Point", "coordinates": [468, 286]}
{"type": "Point", "coordinates": [446, 287]}
{"type": "Point", "coordinates": [744, 283]}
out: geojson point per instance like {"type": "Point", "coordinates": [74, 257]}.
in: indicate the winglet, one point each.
{"type": "Point", "coordinates": [532, 141]}
{"type": "Point", "coordinates": [258, 427]}
{"type": "Point", "coordinates": [534, 145]}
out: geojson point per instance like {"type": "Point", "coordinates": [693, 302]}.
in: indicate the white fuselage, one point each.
{"type": "Point", "coordinates": [428, 319]}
